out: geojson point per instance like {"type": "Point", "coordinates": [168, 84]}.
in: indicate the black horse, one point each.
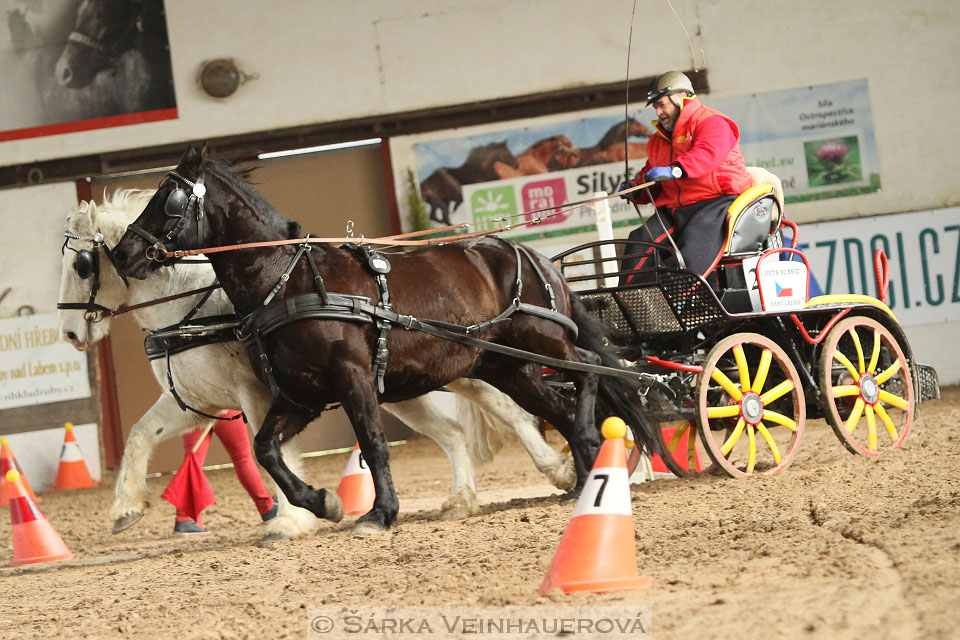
{"type": "Point", "coordinates": [313, 363]}
{"type": "Point", "coordinates": [126, 40]}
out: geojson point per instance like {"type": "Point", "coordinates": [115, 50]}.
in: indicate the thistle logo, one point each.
{"type": "Point", "coordinates": [784, 292]}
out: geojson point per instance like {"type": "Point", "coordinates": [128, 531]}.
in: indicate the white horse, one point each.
{"type": "Point", "coordinates": [219, 376]}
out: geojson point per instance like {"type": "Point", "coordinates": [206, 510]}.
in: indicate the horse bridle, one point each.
{"type": "Point", "coordinates": [86, 265]}
{"type": "Point", "coordinates": [90, 42]}
{"type": "Point", "coordinates": [177, 205]}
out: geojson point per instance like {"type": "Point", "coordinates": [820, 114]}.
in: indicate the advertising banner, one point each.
{"type": "Point", "coordinates": [923, 249]}
{"type": "Point", "coordinates": [818, 140]}
{"type": "Point", "coordinates": [35, 367]}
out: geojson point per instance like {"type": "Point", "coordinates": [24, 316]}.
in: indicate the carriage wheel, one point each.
{"type": "Point", "coordinates": [688, 456]}
{"type": "Point", "coordinates": [754, 424]}
{"type": "Point", "coordinates": [866, 383]}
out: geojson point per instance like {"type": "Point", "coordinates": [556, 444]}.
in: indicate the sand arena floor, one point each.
{"type": "Point", "coordinates": [837, 546]}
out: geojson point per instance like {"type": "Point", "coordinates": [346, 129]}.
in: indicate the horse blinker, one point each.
{"type": "Point", "coordinates": [176, 203]}
{"type": "Point", "coordinates": [84, 264]}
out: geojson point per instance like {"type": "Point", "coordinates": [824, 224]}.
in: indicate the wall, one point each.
{"type": "Point", "coordinates": [325, 61]}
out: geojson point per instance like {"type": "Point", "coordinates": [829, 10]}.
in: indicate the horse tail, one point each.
{"type": "Point", "coordinates": [618, 396]}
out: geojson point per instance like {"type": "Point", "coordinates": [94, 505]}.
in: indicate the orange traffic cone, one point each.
{"type": "Point", "coordinates": [597, 552]}
{"type": "Point", "coordinates": [72, 472]}
{"type": "Point", "coordinates": [356, 488]}
{"type": "Point", "coordinates": [34, 539]}
{"type": "Point", "coordinates": [8, 462]}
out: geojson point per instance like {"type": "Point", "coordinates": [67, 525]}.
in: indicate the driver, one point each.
{"type": "Point", "coordinates": [695, 159]}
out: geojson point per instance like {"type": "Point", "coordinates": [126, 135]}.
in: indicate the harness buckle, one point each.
{"type": "Point", "coordinates": [156, 253]}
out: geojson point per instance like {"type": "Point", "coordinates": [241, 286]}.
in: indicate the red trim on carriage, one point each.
{"type": "Point", "coordinates": [89, 124]}
{"type": "Point", "coordinates": [823, 332]}
{"type": "Point", "coordinates": [677, 366]}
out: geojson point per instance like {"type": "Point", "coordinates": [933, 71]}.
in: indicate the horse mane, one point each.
{"type": "Point", "coordinates": [240, 180]}
{"type": "Point", "coordinates": [111, 217]}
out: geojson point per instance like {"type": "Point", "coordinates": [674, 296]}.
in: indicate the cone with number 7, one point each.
{"type": "Point", "coordinates": [597, 552]}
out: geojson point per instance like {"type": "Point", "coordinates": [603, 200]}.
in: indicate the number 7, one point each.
{"type": "Point", "coordinates": [603, 485]}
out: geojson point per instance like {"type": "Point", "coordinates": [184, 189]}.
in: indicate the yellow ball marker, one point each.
{"type": "Point", "coordinates": [13, 475]}
{"type": "Point", "coordinates": [613, 427]}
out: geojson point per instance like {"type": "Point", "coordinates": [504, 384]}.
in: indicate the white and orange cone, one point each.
{"type": "Point", "coordinates": [356, 488]}
{"type": "Point", "coordinates": [72, 472]}
{"type": "Point", "coordinates": [34, 539]}
{"type": "Point", "coordinates": [8, 462]}
{"type": "Point", "coordinates": [597, 552]}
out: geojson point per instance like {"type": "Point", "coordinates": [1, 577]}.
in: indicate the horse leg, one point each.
{"type": "Point", "coordinates": [426, 416]}
{"type": "Point", "coordinates": [282, 422]}
{"type": "Point", "coordinates": [485, 413]}
{"type": "Point", "coordinates": [290, 521]}
{"type": "Point", "coordinates": [360, 404]}
{"type": "Point", "coordinates": [526, 386]}
{"type": "Point", "coordinates": [161, 421]}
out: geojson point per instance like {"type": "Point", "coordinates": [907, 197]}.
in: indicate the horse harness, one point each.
{"type": "Point", "coordinates": [86, 265]}
{"type": "Point", "coordinates": [274, 313]}
{"type": "Point", "coordinates": [185, 335]}
{"type": "Point", "coordinates": [177, 205]}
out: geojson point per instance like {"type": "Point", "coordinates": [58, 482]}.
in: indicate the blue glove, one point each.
{"type": "Point", "coordinates": [626, 184]}
{"type": "Point", "coordinates": [659, 174]}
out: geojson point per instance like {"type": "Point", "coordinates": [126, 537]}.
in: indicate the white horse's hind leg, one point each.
{"type": "Point", "coordinates": [558, 467]}
{"type": "Point", "coordinates": [163, 420]}
{"type": "Point", "coordinates": [290, 522]}
{"type": "Point", "coordinates": [487, 411]}
{"type": "Point", "coordinates": [426, 415]}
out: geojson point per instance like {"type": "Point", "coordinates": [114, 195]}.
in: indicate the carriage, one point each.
{"type": "Point", "coordinates": [737, 365]}
{"type": "Point", "coordinates": [734, 367]}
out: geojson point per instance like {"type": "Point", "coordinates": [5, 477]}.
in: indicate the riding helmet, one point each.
{"type": "Point", "coordinates": [666, 84]}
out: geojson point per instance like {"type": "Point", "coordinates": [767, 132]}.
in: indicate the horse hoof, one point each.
{"type": "Point", "coordinates": [362, 529]}
{"type": "Point", "coordinates": [458, 512]}
{"type": "Point", "coordinates": [271, 538]}
{"type": "Point", "coordinates": [333, 507]}
{"type": "Point", "coordinates": [127, 521]}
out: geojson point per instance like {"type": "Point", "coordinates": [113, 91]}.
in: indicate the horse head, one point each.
{"type": "Point", "coordinates": [634, 128]}
{"type": "Point", "coordinates": [564, 154]}
{"type": "Point", "coordinates": [103, 30]}
{"type": "Point", "coordinates": [89, 283]}
{"type": "Point", "coordinates": [172, 219]}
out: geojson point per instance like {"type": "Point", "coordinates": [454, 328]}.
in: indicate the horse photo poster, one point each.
{"type": "Point", "coordinates": [68, 66]}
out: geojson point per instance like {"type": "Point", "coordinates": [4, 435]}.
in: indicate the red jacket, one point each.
{"type": "Point", "coordinates": [702, 146]}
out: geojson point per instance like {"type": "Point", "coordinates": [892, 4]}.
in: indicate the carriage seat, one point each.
{"type": "Point", "coordinates": [753, 220]}
{"type": "Point", "coordinates": [753, 227]}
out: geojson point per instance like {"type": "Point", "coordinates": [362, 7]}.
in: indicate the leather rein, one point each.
{"type": "Point", "coordinates": [159, 253]}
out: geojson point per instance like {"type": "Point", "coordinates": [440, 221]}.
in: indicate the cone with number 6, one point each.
{"type": "Point", "coordinates": [597, 552]}
{"type": "Point", "coordinates": [356, 488]}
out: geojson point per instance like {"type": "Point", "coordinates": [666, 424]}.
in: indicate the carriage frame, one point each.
{"type": "Point", "coordinates": [716, 364]}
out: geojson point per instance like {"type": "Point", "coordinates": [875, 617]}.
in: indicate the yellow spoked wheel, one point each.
{"type": "Point", "coordinates": [867, 386]}
{"type": "Point", "coordinates": [750, 406]}
{"type": "Point", "coordinates": [687, 455]}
